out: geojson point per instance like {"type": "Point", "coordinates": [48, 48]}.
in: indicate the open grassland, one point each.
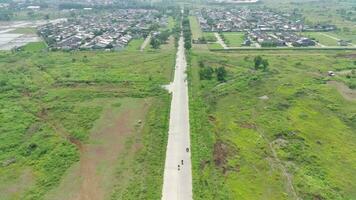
{"type": "Point", "coordinates": [171, 23]}
{"type": "Point", "coordinates": [214, 45]}
{"type": "Point", "coordinates": [54, 104]}
{"type": "Point", "coordinates": [134, 45]}
{"type": "Point", "coordinates": [283, 133]}
{"type": "Point", "coordinates": [234, 39]}
{"type": "Point", "coordinates": [209, 36]}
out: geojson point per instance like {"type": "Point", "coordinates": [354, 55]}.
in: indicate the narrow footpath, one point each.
{"type": "Point", "coordinates": [220, 41]}
{"type": "Point", "coordinates": [177, 183]}
{"type": "Point", "coordinates": [145, 42]}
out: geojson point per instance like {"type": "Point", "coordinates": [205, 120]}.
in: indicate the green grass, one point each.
{"type": "Point", "coordinates": [47, 102]}
{"type": "Point", "coordinates": [171, 23]}
{"type": "Point", "coordinates": [214, 46]}
{"type": "Point", "coordinates": [135, 44]}
{"type": "Point", "coordinates": [195, 28]}
{"type": "Point", "coordinates": [305, 130]}
{"type": "Point", "coordinates": [234, 39]}
{"type": "Point", "coordinates": [34, 47]}
{"type": "Point", "coordinates": [209, 36]}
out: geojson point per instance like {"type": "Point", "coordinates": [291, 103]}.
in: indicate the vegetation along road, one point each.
{"type": "Point", "coordinates": [177, 183]}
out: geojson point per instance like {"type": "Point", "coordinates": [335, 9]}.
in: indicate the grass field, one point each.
{"type": "Point", "coordinates": [135, 44]}
{"type": "Point", "coordinates": [52, 104]}
{"type": "Point", "coordinates": [209, 36]}
{"type": "Point", "coordinates": [195, 28]}
{"type": "Point", "coordinates": [214, 46]}
{"type": "Point", "coordinates": [283, 133]}
{"type": "Point", "coordinates": [234, 39]}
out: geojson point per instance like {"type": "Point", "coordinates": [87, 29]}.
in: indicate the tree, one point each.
{"type": "Point", "coordinates": [258, 61]}
{"type": "Point", "coordinates": [221, 74]}
{"type": "Point", "coordinates": [155, 43]}
{"type": "Point", "coordinates": [265, 64]}
{"type": "Point", "coordinates": [187, 45]}
{"type": "Point", "coordinates": [206, 73]}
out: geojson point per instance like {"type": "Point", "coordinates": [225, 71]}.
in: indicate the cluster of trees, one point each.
{"type": "Point", "coordinates": [186, 30]}
{"type": "Point", "coordinates": [260, 63]}
{"type": "Point", "coordinates": [207, 72]}
{"type": "Point", "coordinates": [159, 39]}
{"type": "Point", "coordinates": [5, 15]}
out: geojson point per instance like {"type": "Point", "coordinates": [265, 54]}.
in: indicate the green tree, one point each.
{"type": "Point", "coordinates": [206, 73]}
{"type": "Point", "coordinates": [258, 61]}
{"type": "Point", "coordinates": [155, 43]}
{"type": "Point", "coordinates": [265, 64]}
{"type": "Point", "coordinates": [221, 74]}
{"type": "Point", "coordinates": [187, 45]}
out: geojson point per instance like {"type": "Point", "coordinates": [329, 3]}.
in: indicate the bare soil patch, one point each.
{"type": "Point", "coordinates": [93, 177]}
{"type": "Point", "coordinates": [352, 55]}
{"type": "Point", "coordinates": [222, 151]}
{"type": "Point", "coordinates": [18, 186]}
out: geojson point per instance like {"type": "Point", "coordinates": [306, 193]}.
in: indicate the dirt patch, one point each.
{"type": "Point", "coordinates": [18, 185]}
{"type": "Point", "coordinates": [346, 92]}
{"type": "Point", "coordinates": [204, 163]}
{"type": "Point", "coordinates": [93, 177]}
{"type": "Point", "coordinates": [211, 118]}
{"type": "Point", "coordinates": [352, 55]}
{"type": "Point", "coordinates": [248, 125]}
{"type": "Point", "coordinates": [221, 153]}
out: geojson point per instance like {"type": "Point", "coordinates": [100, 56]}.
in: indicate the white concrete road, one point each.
{"type": "Point", "coordinates": [177, 183]}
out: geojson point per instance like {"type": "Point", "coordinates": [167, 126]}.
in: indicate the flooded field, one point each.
{"type": "Point", "coordinates": [18, 33]}
{"type": "Point", "coordinates": [12, 40]}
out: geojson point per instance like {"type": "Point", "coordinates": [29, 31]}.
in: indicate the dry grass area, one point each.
{"type": "Point", "coordinates": [93, 176]}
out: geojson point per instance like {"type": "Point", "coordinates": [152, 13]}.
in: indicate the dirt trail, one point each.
{"type": "Point", "coordinates": [93, 177]}
{"type": "Point", "coordinates": [276, 162]}
{"type": "Point", "coordinates": [220, 41]}
{"type": "Point", "coordinates": [145, 43]}
{"type": "Point", "coordinates": [346, 92]}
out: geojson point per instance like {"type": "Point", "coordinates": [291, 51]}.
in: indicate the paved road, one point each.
{"type": "Point", "coordinates": [177, 183]}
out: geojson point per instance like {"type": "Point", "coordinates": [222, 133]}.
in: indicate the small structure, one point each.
{"type": "Point", "coordinates": [33, 7]}
{"type": "Point", "coordinates": [331, 73]}
{"type": "Point", "coordinates": [343, 43]}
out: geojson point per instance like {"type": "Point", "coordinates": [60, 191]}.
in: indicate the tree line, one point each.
{"type": "Point", "coordinates": [187, 34]}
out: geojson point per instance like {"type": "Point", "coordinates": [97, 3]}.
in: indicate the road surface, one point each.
{"type": "Point", "coordinates": [177, 183]}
